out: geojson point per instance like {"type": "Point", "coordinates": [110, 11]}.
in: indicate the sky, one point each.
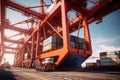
{"type": "Point", "coordinates": [105, 36]}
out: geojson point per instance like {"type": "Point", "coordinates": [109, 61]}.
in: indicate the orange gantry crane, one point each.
{"type": "Point", "coordinates": [55, 26]}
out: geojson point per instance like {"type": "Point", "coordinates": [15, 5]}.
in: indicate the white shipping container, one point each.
{"type": "Point", "coordinates": [48, 47]}
{"type": "Point", "coordinates": [111, 53]}
{"type": "Point", "coordinates": [107, 60]}
{"type": "Point", "coordinates": [108, 64]}
{"type": "Point", "coordinates": [104, 57]}
{"type": "Point", "coordinates": [51, 39]}
{"type": "Point", "coordinates": [113, 56]}
{"type": "Point", "coordinates": [26, 55]}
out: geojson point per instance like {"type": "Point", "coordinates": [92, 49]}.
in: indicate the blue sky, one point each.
{"type": "Point", "coordinates": [106, 33]}
{"type": "Point", "coordinates": [105, 36]}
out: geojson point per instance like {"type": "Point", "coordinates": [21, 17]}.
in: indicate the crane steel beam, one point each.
{"type": "Point", "coordinates": [22, 8]}
{"type": "Point", "coordinates": [12, 41]}
{"type": "Point", "coordinates": [103, 8]}
{"type": "Point", "coordinates": [25, 21]}
{"type": "Point", "coordinates": [9, 52]}
{"type": "Point", "coordinates": [17, 29]}
{"type": "Point", "coordinates": [7, 47]}
{"type": "Point", "coordinates": [97, 13]}
{"type": "Point", "coordinates": [56, 8]}
{"type": "Point", "coordinates": [2, 26]}
{"type": "Point", "coordinates": [14, 35]}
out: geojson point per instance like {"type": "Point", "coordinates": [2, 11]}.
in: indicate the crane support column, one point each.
{"type": "Point", "coordinates": [65, 28]}
{"type": "Point", "coordinates": [2, 24]}
{"type": "Point", "coordinates": [65, 24]}
{"type": "Point", "coordinates": [32, 51]}
{"type": "Point", "coordinates": [87, 36]}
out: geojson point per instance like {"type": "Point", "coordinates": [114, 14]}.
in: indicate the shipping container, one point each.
{"type": "Point", "coordinates": [81, 40]}
{"type": "Point", "coordinates": [98, 61]}
{"type": "Point", "coordinates": [91, 64]}
{"type": "Point", "coordinates": [59, 40]}
{"type": "Point", "coordinates": [50, 46]}
{"type": "Point", "coordinates": [107, 60]}
{"type": "Point", "coordinates": [108, 64]}
{"type": "Point", "coordinates": [76, 39]}
{"type": "Point", "coordinates": [72, 38]}
{"type": "Point", "coordinates": [58, 46]}
{"type": "Point", "coordinates": [84, 42]}
{"type": "Point", "coordinates": [84, 46]}
{"type": "Point", "coordinates": [103, 53]}
{"type": "Point", "coordinates": [80, 46]}
{"type": "Point", "coordinates": [98, 64]}
{"type": "Point", "coordinates": [72, 44]}
{"type": "Point", "coordinates": [55, 42]}
{"type": "Point", "coordinates": [27, 55]}
{"type": "Point", "coordinates": [51, 39]}
{"type": "Point", "coordinates": [113, 56]}
{"type": "Point", "coordinates": [111, 53]}
{"type": "Point", "coordinates": [77, 45]}
{"type": "Point", "coordinates": [104, 57]}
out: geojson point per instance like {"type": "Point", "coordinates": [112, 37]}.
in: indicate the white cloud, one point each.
{"type": "Point", "coordinates": [104, 48]}
{"type": "Point", "coordinates": [108, 48]}
{"type": "Point", "coordinates": [105, 40]}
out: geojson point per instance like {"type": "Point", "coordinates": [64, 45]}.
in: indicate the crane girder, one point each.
{"type": "Point", "coordinates": [22, 8]}
{"type": "Point", "coordinates": [17, 29]}
{"type": "Point", "coordinates": [12, 41]}
{"type": "Point", "coordinates": [7, 47]}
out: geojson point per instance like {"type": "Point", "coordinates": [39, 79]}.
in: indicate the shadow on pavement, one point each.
{"type": "Point", "coordinates": [6, 75]}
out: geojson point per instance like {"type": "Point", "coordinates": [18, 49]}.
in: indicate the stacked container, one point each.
{"type": "Point", "coordinates": [55, 42]}
{"type": "Point", "coordinates": [27, 55]}
{"type": "Point", "coordinates": [110, 58]}
{"type": "Point", "coordinates": [77, 42]}
{"type": "Point", "coordinates": [98, 62]}
{"type": "Point", "coordinates": [52, 43]}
